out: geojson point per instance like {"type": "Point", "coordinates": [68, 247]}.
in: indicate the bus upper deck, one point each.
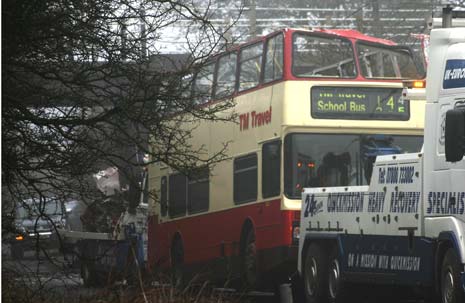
{"type": "Point", "coordinates": [296, 54]}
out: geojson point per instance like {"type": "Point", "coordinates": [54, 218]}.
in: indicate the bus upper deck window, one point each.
{"type": "Point", "coordinates": [226, 75]}
{"type": "Point", "coordinates": [273, 68]}
{"type": "Point", "coordinates": [203, 83]}
{"type": "Point", "coordinates": [384, 62]}
{"type": "Point", "coordinates": [250, 62]}
{"type": "Point", "coordinates": [315, 56]}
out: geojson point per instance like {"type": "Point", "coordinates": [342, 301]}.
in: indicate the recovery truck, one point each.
{"type": "Point", "coordinates": [108, 238]}
{"type": "Point", "coordinates": [407, 227]}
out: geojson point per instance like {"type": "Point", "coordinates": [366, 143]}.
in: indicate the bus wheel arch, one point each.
{"type": "Point", "coordinates": [177, 261]}
{"type": "Point", "coordinates": [248, 254]}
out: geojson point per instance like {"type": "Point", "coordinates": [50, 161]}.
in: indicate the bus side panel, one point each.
{"type": "Point", "coordinates": [153, 245]}
{"type": "Point", "coordinates": [210, 237]}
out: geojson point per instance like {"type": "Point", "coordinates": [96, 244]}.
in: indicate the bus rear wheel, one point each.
{"type": "Point", "coordinates": [315, 274]}
{"type": "Point", "coordinates": [249, 261]}
{"type": "Point", "coordinates": [177, 264]}
{"type": "Point", "coordinates": [450, 278]}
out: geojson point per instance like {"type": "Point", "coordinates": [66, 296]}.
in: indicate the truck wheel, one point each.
{"type": "Point", "coordinates": [177, 264]}
{"type": "Point", "coordinates": [17, 252]}
{"type": "Point", "coordinates": [315, 274]}
{"type": "Point", "coordinates": [249, 261]}
{"type": "Point", "coordinates": [337, 288]}
{"type": "Point", "coordinates": [450, 278]}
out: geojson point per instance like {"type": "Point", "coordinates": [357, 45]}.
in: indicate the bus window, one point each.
{"type": "Point", "coordinates": [198, 190]}
{"type": "Point", "coordinates": [245, 179]}
{"type": "Point", "coordinates": [163, 196]}
{"type": "Point", "coordinates": [250, 62]}
{"type": "Point", "coordinates": [274, 59]}
{"type": "Point", "coordinates": [203, 83]}
{"type": "Point", "coordinates": [177, 195]}
{"type": "Point", "coordinates": [378, 62]}
{"type": "Point", "coordinates": [271, 169]}
{"type": "Point", "coordinates": [315, 56]}
{"type": "Point", "coordinates": [322, 160]}
{"type": "Point", "coordinates": [226, 76]}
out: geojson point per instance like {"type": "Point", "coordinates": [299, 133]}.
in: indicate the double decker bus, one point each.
{"type": "Point", "coordinates": [315, 108]}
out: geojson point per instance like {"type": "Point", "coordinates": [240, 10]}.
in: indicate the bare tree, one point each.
{"type": "Point", "coordinates": [81, 81]}
{"type": "Point", "coordinates": [88, 84]}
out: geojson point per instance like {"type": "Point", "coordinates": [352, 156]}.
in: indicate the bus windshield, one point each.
{"type": "Point", "coordinates": [386, 63]}
{"type": "Point", "coordinates": [320, 160]}
{"type": "Point", "coordinates": [315, 56]}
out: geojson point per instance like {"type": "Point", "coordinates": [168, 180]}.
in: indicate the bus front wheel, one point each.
{"type": "Point", "coordinates": [451, 291]}
{"type": "Point", "coordinates": [315, 274]}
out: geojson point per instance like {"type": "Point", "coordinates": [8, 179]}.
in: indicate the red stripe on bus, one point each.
{"type": "Point", "coordinates": [217, 234]}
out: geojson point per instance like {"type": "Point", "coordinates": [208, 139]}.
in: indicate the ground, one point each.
{"type": "Point", "coordinates": [54, 278]}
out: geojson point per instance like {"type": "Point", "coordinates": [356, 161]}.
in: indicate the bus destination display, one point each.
{"type": "Point", "coordinates": [359, 103]}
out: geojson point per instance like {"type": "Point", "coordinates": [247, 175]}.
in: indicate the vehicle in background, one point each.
{"type": "Point", "coordinates": [108, 236]}
{"type": "Point", "coordinates": [74, 210]}
{"type": "Point", "coordinates": [35, 223]}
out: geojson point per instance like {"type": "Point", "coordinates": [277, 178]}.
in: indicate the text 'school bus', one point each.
{"type": "Point", "coordinates": [314, 109]}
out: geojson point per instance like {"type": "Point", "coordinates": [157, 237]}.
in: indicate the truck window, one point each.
{"type": "Point", "coordinates": [323, 160]}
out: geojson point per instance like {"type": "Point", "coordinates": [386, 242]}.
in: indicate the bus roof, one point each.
{"type": "Point", "coordinates": [347, 33]}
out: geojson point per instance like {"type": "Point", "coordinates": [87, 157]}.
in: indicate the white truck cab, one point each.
{"type": "Point", "coordinates": [408, 226]}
